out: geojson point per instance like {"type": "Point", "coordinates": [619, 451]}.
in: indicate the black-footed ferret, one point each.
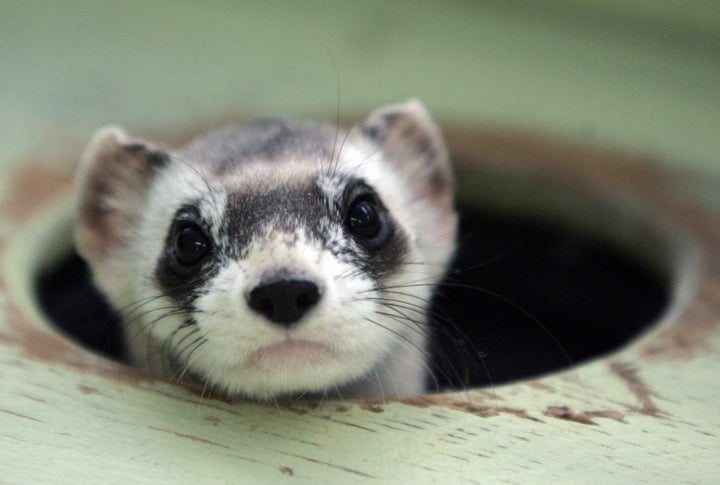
{"type": "Point", "coordinates": [275, 257]}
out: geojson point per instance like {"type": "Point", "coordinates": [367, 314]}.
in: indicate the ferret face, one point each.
{"type": "Point", "coordinates": [277, 276]}
{"type": "Point", "coordinates": [276, 257]}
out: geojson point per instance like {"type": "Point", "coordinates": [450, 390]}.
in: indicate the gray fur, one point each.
{"type": "Point", "coordinates": [272, 198]}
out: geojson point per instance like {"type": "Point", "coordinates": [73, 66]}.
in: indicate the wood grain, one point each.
{"type": "Point", "coordinates": [647, 412]}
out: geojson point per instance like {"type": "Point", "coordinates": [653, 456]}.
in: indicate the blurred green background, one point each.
{"type": "Point", "coordinates": [633, 74]}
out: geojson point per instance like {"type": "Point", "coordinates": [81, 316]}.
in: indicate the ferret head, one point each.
{"type": "Point", "coordinates": [274, 257]}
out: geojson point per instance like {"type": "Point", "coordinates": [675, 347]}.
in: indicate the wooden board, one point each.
{"type": "Point", "coordinates": [627, 74]}
{"type": "Point", "coordinates": [647, 412]}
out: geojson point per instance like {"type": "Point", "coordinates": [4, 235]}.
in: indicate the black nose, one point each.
{"type": "Point", "coordinates": [284, 301]}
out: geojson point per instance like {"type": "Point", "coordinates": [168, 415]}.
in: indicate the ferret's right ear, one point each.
{"type": "Point", "coordinates": [112, 181]}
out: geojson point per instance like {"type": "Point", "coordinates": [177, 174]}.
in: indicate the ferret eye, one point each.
{"type": "Point", "coordinates": [363, 219]}
{"type": "Point", "coordinates": [191, 245]}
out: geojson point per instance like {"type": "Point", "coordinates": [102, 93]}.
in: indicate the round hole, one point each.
{"type": "Point", "coordinates": [526, 295]}
{"type": "Point", "coordinates": [558, 261]}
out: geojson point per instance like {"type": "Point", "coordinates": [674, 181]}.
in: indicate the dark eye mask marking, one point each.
{"type": "Point", "coordinates": [189, 258]}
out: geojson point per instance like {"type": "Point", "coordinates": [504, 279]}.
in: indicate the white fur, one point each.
{"type": "Point", "coordinates": [349, 344]}
{"type": "Point", "coordinates": [341, 341]}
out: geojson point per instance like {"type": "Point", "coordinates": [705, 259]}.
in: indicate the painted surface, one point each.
{"type": "Point", "coordinates": [646, 413]}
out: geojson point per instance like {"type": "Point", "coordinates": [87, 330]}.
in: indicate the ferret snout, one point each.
{"type": "Point", "coordinates": [284, 301]}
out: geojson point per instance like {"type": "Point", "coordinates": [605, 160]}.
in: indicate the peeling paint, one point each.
{"type": "Point", "coordinates": [540, 386]}
{"type": "Point", "coordinates": [629, 374]}
{"type": "Point", "coordinates": [453, 402]}
{"type": "Point", "coordinates": [87, 390]}
{"type": "Point", "coordinates": [419, 401]}
{"type": "Point", "coordinates": [292, 407]}
{"type": "Point", "coordinates": [584, 417]}
{"type": "Point", "coordinates": [373, 407]}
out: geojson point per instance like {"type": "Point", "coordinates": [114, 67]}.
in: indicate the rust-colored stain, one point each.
{"type": "Point", "coordinates": [629, 374]}
{"type": "Point", "coordinates": [286, 470]}
{"type": "Point", "coordinates": [474, 408]}
{"type": "Point", "coordinates": [33, 186]}
{"type": "Point", "coordinates": [419, 401]}
{"type": "Point", "coordinates": [293, 408]}
{"type": "Point", "coordinates": [36, 343]}
{"type": "Point", "coordinates": [688, 334]}
{"type": "Point", "coordinates": [214, 420]}
{"type": "Point", "coordinates": [42, 345]}
{"type": "Point", "coordinates": [540, 386]}
{"type": "Point", "coordinates": [584, 417]}
{"type": "Point", "coordinates": [373, 407]}
{"type": "Point", "coordinates": [87, 390]}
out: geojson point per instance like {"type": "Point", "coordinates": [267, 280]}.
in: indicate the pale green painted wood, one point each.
{"type": "Point", "coordinates": [66, 68]}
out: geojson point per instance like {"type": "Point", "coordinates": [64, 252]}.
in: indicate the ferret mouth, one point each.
{"type": "Point", "coordinates": [291, 354]}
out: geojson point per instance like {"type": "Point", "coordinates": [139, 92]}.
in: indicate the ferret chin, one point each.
{"type": "Point", "coordinates": [276, 257]}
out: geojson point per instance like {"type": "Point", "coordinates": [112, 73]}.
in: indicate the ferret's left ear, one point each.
{"type": "Point", "coordinates": [411, 140]}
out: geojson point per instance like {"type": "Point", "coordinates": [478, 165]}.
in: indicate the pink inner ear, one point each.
{"type": "Point", "coordinates": [112, 181]}
{"type": "Point", "coordinates": [411, 140]}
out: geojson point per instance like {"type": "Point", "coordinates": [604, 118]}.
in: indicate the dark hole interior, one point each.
{"type": "Point", "coordinates": [524, 298]}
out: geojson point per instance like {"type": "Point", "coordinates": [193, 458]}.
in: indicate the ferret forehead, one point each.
{"type": "Point", "coordinates": [269, 141]}
{"type": "Point", "coordinates": [182, 184]}
{"type": "Point", "coordinates": [296, 193]}
{"type": "Point", "coordinates": [298, 172]}
{"type": "Point", "coordinates": [292, 197]}
{"type": "Point", "coordinates": [296, 206]}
